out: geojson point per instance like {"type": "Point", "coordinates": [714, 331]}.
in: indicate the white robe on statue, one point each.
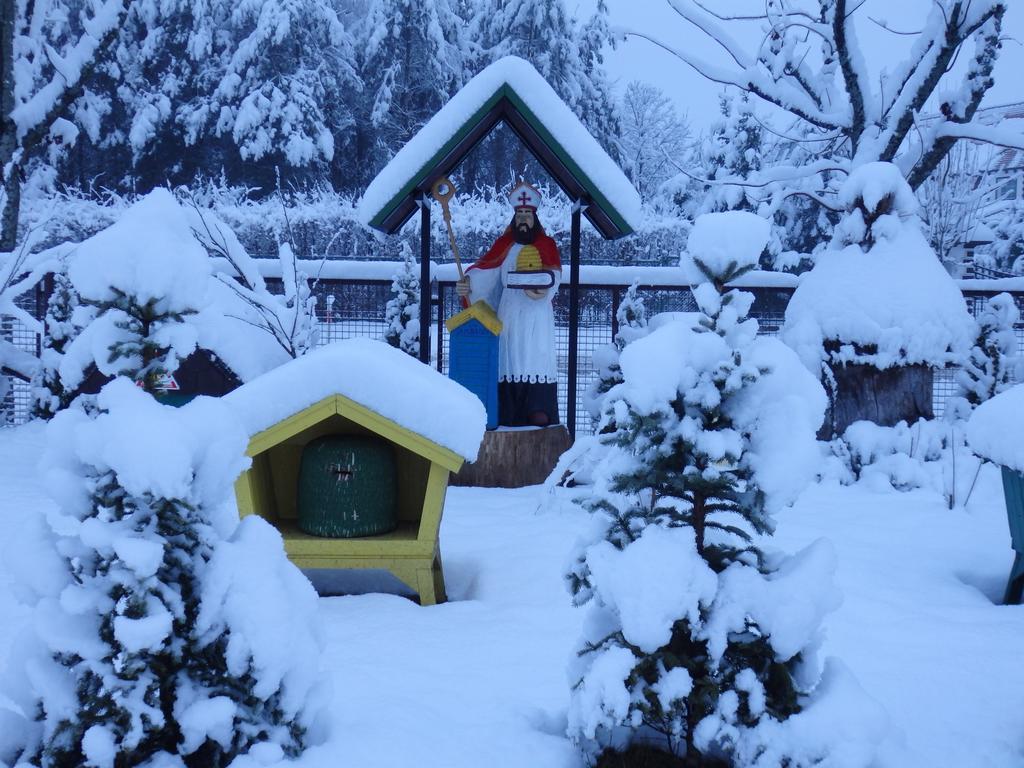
{"type": "Point", "coordinates": [526, 347]}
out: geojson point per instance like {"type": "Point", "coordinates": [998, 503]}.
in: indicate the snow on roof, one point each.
{"type": "Point", "coordinates": [375, 375]}
{"type": "Point", "coordinates": [539, 97]}
{"type": "Point", "coordinates": [996, 429]}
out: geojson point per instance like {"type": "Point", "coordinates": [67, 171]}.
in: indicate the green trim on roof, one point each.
{"type": "Point", "coordinates": [421, 174]}
{"type": "Point", "coordinates": [567, 160]}
{"type": "Point", "coordinates": [508, 92]}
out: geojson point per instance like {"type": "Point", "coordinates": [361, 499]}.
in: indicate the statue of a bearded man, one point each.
{"type": "Point", "coordinates": [519, 277]}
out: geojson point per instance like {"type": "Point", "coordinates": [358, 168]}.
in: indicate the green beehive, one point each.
{"type": "Point", "coordinates": [348, 487]}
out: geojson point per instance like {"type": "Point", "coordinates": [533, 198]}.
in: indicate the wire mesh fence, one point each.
{"type": "Point", "coordinates": [15, 405]}
{"type": "Point", "coordinates": [355, 308]}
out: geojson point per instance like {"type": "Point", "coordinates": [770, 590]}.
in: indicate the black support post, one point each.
{"type": "Point", "coordinates": [425, 307]}
{"type": "Point", "coordinates": [574, 318]}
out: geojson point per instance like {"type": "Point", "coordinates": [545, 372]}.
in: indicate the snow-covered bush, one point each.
{"type": "Point", "coordinates": [402, 312]}
{"type": "Point", "coordinates": [288, 318]}
{"type": "Point", "coordinates": [878, 307]}
{"type": "Point", "coordinates": [632, 321]}
{"type": "Point", "coordinates": [932, 454]}
{"type": "Point", "coordinates": [991, 365]}
{"type": "Point", "coordinates": [165, 632]}
{"type": "Point", "coordinates": [696, 637]}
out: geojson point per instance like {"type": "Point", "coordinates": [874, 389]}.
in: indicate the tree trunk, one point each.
{"type": "Point", "coordinates": [886, 397]}
{"type": "Point", "coordinates": [8, 132]}
{"type": "Point", "coordinates": [515, 458]}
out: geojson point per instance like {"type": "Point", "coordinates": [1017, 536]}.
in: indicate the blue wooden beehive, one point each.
{"type": "Point", "coordinates": [473, 354]}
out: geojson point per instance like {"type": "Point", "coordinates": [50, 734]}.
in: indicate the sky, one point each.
{"type": "Point", "coordinates": [698, 98]}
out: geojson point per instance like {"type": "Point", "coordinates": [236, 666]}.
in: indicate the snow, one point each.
{"type": "Point", "coordinates": [249, 570]}
{"type": "Point", "coordinates": [538, 96]}
{"type": "Point", "coordinates": [729, 237]}
{"type": "Point", "coordinates": [99, 747]}
{"type": "Point", "coordinates": [375, 375]}
{"type": "Point", "coordinates": [149, 252]}
{"type": "Point", "coordinates": [652, 583]}
{"type": "Point", "coordinates": [996, 429]}
{"type": "Point", "coordinates": [182, 454]}
{"type": "Point", "coordinates": [873, 182]}
{"type": "Point", "coordinates": [918, 629]}
{"type": "Point", "coordinates": [896, 297]}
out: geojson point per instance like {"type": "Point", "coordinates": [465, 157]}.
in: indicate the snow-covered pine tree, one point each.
{"type": "Point", "coordinates": [149, 647]}
{"type": "Point", "coordinates": [732, 153]}
{"type": "Point", "coordinates": [412, 60]}
{"type": "Point", "coordinates": [631, 317]}
{"type": "Point", "coordinates": [693, 637]}
{"type": "Point", "coordinates": [144, 331]}
{"type": "Point", "coordinates": [145, 276]}
{"type": "Point", "coordinates": [402, 313]}
{"type": "Point", "coordinates": [220, 84]}
{"type": "Point", "coordinates": [48, 392]}
{"type": "Point", "coordinates": [1006, 252]}
{"type": "Point", "coordinates": [990, 366]}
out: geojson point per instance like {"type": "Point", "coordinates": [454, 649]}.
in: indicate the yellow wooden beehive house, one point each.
{"type": "Point", "coordinates": [269, 487]}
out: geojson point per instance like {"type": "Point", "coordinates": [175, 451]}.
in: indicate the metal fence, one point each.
{"type": "Point", "coordinates": [355, 308]}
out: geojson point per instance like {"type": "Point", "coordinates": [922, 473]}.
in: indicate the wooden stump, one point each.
{"type": "Point", "coordinates": [514, 458]}
{"type": "Point", "coordinates": [885, 397]}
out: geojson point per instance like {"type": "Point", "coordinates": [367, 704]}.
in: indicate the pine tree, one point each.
{"type": "Point", "coordinates": [733, 153]}
{"type": "Point", "coordinates": [990, 365]}
{"type": "Point", "coordinates": [202, 87]}
{"type": "Point", "coordinates": [148, 340]}
{"type": "Point", "coordinates": [402, 313]}
{"type": "Point", "coordinates": [48, 393]}
{"type": "Point", "coordinates": [632, 321]}
{"type": "Point", "coordinates": [1007, 250]}
{"type": "Point", "coordinates": [412, 60]}
{"type": "Point", "coordinates": [682, 504]}
{"type": "Point", "coordinates": [148, 663]}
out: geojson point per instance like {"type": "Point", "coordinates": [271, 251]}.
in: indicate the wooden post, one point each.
{"type": "Point", "coordinates": [574, 311]}
{"type": "Point", "coordinates": [424, 203]}
{"type": "Point", "coordinates": [440, 327]}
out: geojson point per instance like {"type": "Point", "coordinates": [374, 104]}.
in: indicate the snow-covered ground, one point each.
{"type": "Point", "coordinates": [481, 680]}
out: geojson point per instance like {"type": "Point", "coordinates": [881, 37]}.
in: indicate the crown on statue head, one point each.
{"type": "Point", "coordinates": [524, 195]}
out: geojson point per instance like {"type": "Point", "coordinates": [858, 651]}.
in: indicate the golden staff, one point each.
{"type": "Point", "coordinates": [443, 190]}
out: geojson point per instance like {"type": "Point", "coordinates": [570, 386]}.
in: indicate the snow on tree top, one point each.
{"type": "Point", "coordinates": [539, 98]}
{"type": "Point", "coordinates": [148, 253]}
{"type": "Point", "coordinates": [375, 375]}
{"type": "Point", "coordinates": [996, 429]}
{"type": "Point", "coordinates": [891, 304]}
{"type": "Point", "coordinates": [719, 239]}
{"type": "Point", "coordinates": [872, 183]}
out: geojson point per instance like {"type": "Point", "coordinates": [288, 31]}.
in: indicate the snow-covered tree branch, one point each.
{"type": "Point", "coordinates": [811, 65]}
{"type": "Point", "coordinates": [46, 60]}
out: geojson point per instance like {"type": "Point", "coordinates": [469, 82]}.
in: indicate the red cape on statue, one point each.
{"type": "Point", "coordinates": [495, 256]}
